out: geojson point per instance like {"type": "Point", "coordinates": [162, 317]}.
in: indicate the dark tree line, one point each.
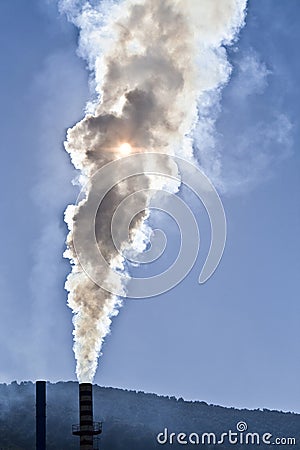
{"type": "Point", "coordinates": [131, 420]}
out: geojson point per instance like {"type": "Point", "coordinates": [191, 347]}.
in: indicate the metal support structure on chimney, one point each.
{"type": "Point", "coordinates": [87, 429]}
{"type": "Point", "coordinates": [40, 415]}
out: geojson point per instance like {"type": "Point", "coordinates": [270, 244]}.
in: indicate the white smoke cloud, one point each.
{"type": "Point", "coordinates": [257, 150]}
{"type": "Point", "coordinates": [252, 75]}
{"type": "Point", "coordinates": [155, 65]}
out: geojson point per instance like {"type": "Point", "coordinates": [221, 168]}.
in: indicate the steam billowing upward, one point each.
{"type": "Point", "coordinates": [152, 60]}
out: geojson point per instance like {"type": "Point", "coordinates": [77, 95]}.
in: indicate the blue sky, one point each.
{"type": "Point", "coordinates": [233, 341]}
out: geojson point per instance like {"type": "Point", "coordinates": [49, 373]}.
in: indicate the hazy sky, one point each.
{"type": "Point", "coordinates": [233, 341]}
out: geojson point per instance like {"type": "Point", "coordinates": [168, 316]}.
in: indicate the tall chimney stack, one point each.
{"type": "Point", "coordinates": [87, 428]}
{"type": "Point", "coordinates": [40, 415]}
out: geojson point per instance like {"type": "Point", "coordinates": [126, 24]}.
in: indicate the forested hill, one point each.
{"type": "Point", "coordinates": [132, 420]}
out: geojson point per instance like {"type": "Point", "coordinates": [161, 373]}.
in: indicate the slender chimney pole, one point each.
{"type": "Point", "coordinates": [40, 415]}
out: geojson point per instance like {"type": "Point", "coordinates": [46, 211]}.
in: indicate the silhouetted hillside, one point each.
{"type": "Point", "coordinates": [131, 420]}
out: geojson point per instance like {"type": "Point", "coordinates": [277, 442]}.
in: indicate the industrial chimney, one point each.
{"type": "Point", "coordinates": [87, 428]}
{"type": "Point", "coordinates": [40, 415]}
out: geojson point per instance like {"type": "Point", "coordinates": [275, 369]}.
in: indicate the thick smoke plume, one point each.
{"type": "Point", "coordinates": [152, 61]}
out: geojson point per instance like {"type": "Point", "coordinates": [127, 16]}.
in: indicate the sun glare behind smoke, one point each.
{"type": "Point", "coordinates": [125, 149]}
